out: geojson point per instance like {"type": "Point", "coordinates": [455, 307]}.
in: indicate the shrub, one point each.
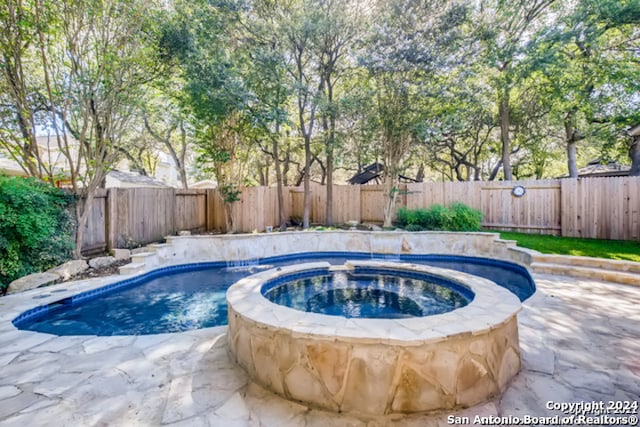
{"type": "Point", "coordinates": [414, 227]}
{"type": "Point", "coordinates": [465, 218]}
{"type": "Point", "coordinates": [456, 217]}
{"type": "Point", "coordinates": [36, 230]}
{"type": "Point", "coordinates": [412, 216]}
{"type": "Point", "coordinates": [404, 217]}
{"type": "Point", "coordinates": [438, 218]}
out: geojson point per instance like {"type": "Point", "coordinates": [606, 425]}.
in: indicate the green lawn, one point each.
{"type": "Point", "coordinates": [611, 249]}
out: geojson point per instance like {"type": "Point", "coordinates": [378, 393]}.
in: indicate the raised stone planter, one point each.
{"type": "Point", "coordinates": [374, 367]}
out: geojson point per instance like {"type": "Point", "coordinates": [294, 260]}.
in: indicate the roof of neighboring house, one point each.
{"type": "Point", "coordinates": [596, 168]}
{"type": "Point", "coordinates": [205, 183]}
{"type": "Point", "coordinates": [374, 171]}
{"type": "Point", "coordinates": [371, 172]}
{"type": "Point", "coordinates": [136, 179]}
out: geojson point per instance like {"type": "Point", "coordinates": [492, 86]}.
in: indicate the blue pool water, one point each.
{"type": "Point", "coordinates": [379, 294]}
{"type": "Point", "coordinates": [193, 296]}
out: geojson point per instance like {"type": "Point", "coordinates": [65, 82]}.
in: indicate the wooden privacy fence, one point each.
{"type": "Point", "coordinates": [130, 217]}
{"type": "Point", "coordinates": [605, 208]}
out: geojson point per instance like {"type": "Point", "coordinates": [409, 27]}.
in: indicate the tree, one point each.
{"type": "Point", "coordinates": [458, 128]}
{"type": "Point", "coordinates": [410, 43]}
{"type": "Point", "coordinates": [334, 40]}
{"type": "Point", "coordinates": [298, 24]}
{"type": "Point", "coordinates": [222, 152]}
{"type": "Point", "coordinates": [90, 60]}
{"type": "Point", "coordinates": [590, 61]}
{"type": "Point", "coordinates": [265, 73]}
{"type": "Point", "coordinates": [171, 127]}
{"type": "Point", "coordinates": [20, 92]}
{"type": "Point", "coordinates": [203, 39]}
{"type": "Point", "coordinates": [504, 29]}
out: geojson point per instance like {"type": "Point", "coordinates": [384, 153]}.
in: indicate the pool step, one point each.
{"type": "Point", "coordinates": [582, 261]}
{"type": "Point", "coordinates": [149, 259]}
{"type": "Point", "coordinates": [609, 275]}
{"type": "Point", "coordinates": [154, 247]}
{"type": "Point", "coordinates": [133, 268]}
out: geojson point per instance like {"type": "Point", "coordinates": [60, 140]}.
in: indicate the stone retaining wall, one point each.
{"type": "Point", "coordinates": [186, 249]}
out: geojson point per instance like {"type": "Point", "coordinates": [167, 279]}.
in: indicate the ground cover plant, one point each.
{"type": "Point", "coordinates": [35, 227]}
{"type": "Point", "coordinates": [455, 217]}
{"type": "Point", "coordinates": [611, 249]}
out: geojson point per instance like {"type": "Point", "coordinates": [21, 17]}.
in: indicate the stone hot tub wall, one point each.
{"type": "Point", "coordinates": [372, 367]}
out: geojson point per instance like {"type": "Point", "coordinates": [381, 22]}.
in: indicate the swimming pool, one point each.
{"type": "Point", "coordinates": [192, 296]}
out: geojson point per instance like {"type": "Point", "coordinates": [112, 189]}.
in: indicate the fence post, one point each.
{"type": "Point", "coordinates": [173, 229]}
{"type": "Point", "coordinates": [110, 219]}
{"type": "Point", "coordinates": [206, 210]}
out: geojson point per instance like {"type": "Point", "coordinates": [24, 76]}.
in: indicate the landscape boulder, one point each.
{"type": "Point", "coordinates": [102, 261]}
{"type": "Point", "coordinates": [70, 268]}
{"type": "Point", "coordinates": [31, 281]}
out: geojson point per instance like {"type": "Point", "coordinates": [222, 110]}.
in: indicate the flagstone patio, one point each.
{"type": "Point", "coordinates": [580, 341]}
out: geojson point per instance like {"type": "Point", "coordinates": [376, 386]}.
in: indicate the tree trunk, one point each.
{"type": "Point", "coordinates": [307, 181]}
{"type": "Point", "coordinates": [494, 171]}
{"type": "Point", "coordinates": [330, 130]}
{"type": "Point", "coordinates": [330, 127]}
{"type": "Point", "coordinates": [634, 153]}
{"type": "Point", "coordinates": [229, 223]}
{"type": "Point", "coordinates": [329, 212]}
{"type": "Point", "coordinates": [183, 178]}
{"type": "Point", "coordinates": [390, 194]}
{"type": "Point", "coordinates": [572, 143]}
{"type": "Point", "coordinates": [286, 165]}
{"type": "Point", "coordinates": [572, 150]}
{"type": "Point", "coordinates": [181, 164]}
{"type": "Point", "coordinates": [279, 180]}
{"type": "Point", "coordinates": [505, 124]}
{"type": "Point", "coordinates": [82, 216]}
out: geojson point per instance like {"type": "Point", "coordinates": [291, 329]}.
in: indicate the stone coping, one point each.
{"type": "Point", "coordinates": [310, 231]}
{"type": "Point", "coordinates": [14, 305]}
{"type": "Point", "coordinates": [491, 308]}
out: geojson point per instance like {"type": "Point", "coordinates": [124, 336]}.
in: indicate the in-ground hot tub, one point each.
{"type": "Point", "coordinates": [412, 362]}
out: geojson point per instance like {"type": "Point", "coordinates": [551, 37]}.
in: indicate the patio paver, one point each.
{"type": "Point", "coordinates": [580, 341]}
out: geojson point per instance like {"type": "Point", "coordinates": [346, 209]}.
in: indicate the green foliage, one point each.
{"type": "Point", "coordinates": [414, 227]}
{"type": "Point", "coordinates": [230, 193]}
{"type": "Point", "coordinates": [35, 227]}
{"type": "Point", "coordinates": [465, 218]}
{"type": "Point", "coordinates": [455, 217]}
